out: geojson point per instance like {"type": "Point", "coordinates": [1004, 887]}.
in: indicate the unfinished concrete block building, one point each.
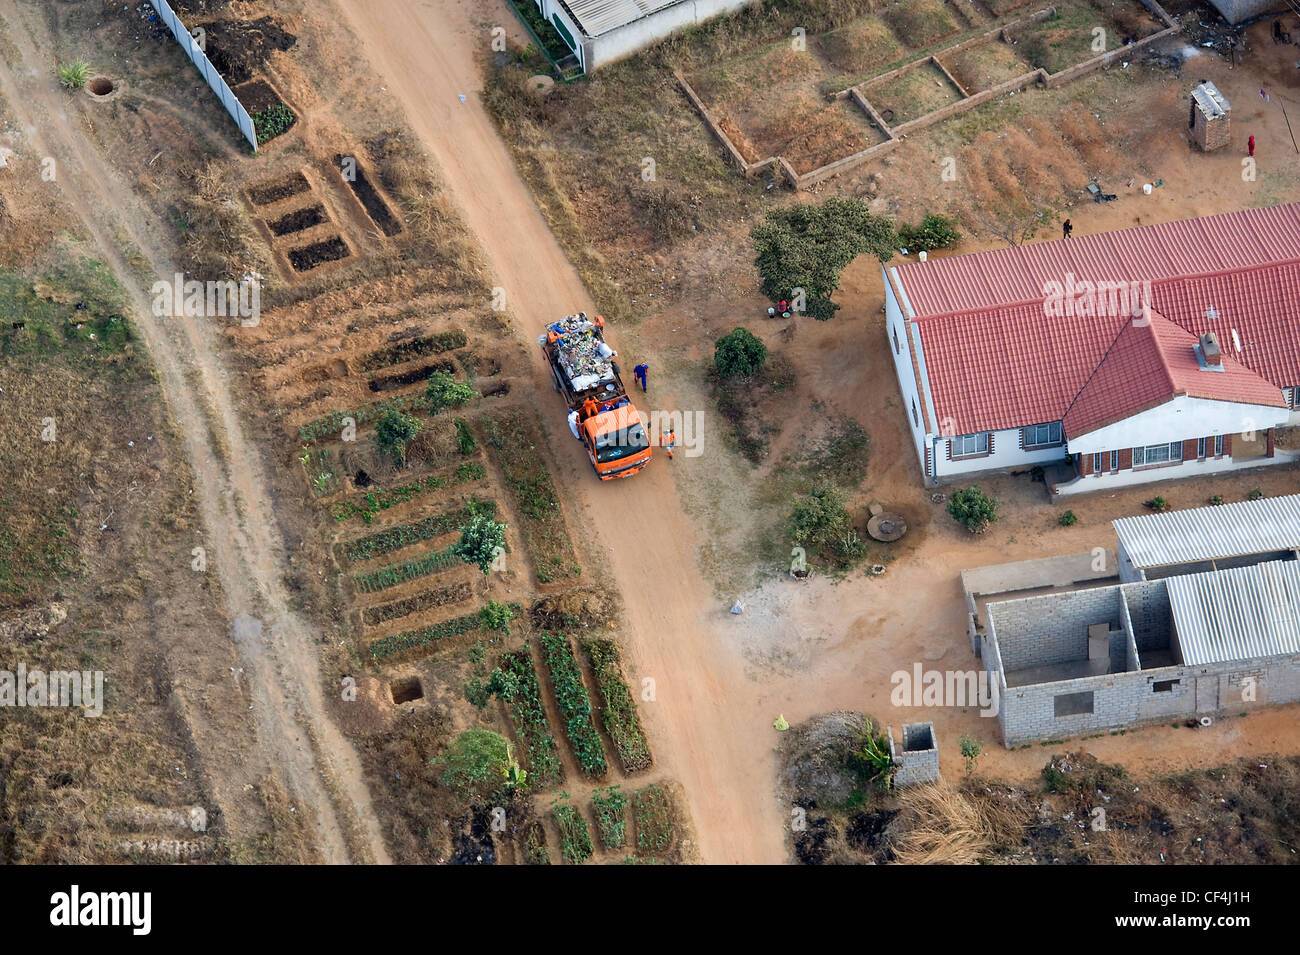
{"type": "Point", "coordinates": [918, 760]}
{"type": "Point", "coordinates": [1112, 657]}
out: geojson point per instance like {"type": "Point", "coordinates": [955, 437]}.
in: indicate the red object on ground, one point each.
{"type": "Point", "coordinates": [1251, 144]}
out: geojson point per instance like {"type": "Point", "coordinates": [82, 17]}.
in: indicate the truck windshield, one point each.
{"type": "Point", "coordinates": [613, 445]}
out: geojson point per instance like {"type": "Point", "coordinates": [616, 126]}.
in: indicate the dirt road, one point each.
{"type": "Point", "coordinates": [296, 739]}
{"type": "Point", "coordinates": [707, 726]}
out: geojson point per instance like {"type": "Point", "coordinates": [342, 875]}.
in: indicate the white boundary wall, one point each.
{"type": "Point", "coordinates": [214, 79]}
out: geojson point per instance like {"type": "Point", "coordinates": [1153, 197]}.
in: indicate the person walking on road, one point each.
{"type": "Point", "coordinates": [573, 424]}
{"type": "Point", "coordinates": [668, 441]}
{"type": "Point", "coordinates": [1066, 228]}
{"type": "Point", "coordinates": [1250, 144]}
{"type": "Point", "coordinates": [641, 371]}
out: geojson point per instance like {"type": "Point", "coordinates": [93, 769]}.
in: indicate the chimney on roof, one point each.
{"type": "Point", "coordinates": [1210, 350]}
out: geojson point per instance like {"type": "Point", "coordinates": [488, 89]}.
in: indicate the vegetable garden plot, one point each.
{"type": "Point", "coordinates": [574, 703]}
{"type": "Point", "coordinates": [414, 376]}
{"type": "Point", "coordinates": [618, 711]}
{"type": "Point", "coordinates": [299, 220]}
{"type": "Point", "coordinates": [403, 535]}
{"type": "Point", "coordinates": [424, 600]}
{"type": "Point", "coordinates": [308, 257]}
{"type": "Point", "coordinates": [392, 575]}
{"type": "Point", "coordinates": [278, 191]}
{"type": "Point", "coordinates": [411, 349]}
{"type": "Point", "coordinates": [423, 639]}
{"type": "Point", "coordinates": [374, 203]}
{"type": "Point", "coordinates": [528, 716]}
{"type": "Point", "coordinates": [372, 502]}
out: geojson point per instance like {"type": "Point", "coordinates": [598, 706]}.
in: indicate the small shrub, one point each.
{"type": "Point", "coordinates": [73, 76]}
{"type": "Point", "coordinates": [1216, 499]}
{"type": "Point", "coordinates": [479, 764]}
{"type": "Point", "coordinates": [444, 391]}
{"type": "Point", "coordinates": [973, 509]}
{"type": "Point", "coordinates": [1156, 504]}
{"type": "Point", "coordinates": [739, 354]}
{"type": "Point", "coordinates": [394, 433]}
{"type": "Point", "coordinates": [479, 540]}
{"type": "Point", "coordinates": [496, 616]}
{"type": "Point", "coordinates": [1255, 495]}
{"type": "Point", "coordinates": [819, 517]}
{"type": "Point", "coordinates": [970, 750]}
{"type": "Point", "coordinates": [1069, 519]}
{"type": "Point", "coordinates": [934, 232]}
{"type": "Point", "coordinates": [465, 439]}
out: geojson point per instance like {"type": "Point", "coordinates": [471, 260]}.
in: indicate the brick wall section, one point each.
{"type": "Point", "coordinates": [914, 767]}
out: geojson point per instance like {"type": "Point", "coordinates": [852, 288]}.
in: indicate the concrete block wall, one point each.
{"type": "Point", "coordinates": [917, 760]}
{"type": "Point", "coordinates": [1122, 700]}
{"type": "Point", "coordinates": [1148, 607]}
{"type": "Point", "coordinates": [1043, 631]}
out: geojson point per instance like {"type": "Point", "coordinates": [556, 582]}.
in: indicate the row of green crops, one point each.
{"type": "Point", "coordinates": [575, 835]}
{"type": "Point", "coordinates": [408, 640]}
{"type": "Point", "coordinates": [529, 717]}
{"type": "Point", "coordinates": [390, 575]}
{"type": "Point", "coordinates": [415, 348]}
{"type": "Point", "coordinates": [610, 806]}
{"type": "Point", "coordinates": [424, 600]}
{"type": "Point", "coordinates": [535, 852]}
{"type": "Point", "coordinates": [367, 505]}
{"type": "Point", "coordinates": [652, 813]}
{"type": "Point", "coordinates": [403, 535]}
{"type": "Point", "coordinates": [331, 424]}
{"type": "Point", "coordinates": [618, 711]}
{"type": "Point", "coordinates": [574, 703]}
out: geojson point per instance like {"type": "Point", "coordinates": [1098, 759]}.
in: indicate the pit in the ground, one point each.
{"type": "Point", "coordinates": [407, 689]}
{"type": "Point", "coordinates": [100, 86]}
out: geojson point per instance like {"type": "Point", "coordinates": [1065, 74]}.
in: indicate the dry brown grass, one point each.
{"type": "Point", "coordinates": [945, 826]}
{"type": "Point", "coordinates": [221, 241]}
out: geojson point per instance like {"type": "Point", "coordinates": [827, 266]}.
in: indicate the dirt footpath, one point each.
{"type": "Point", "coordinates": [706, 728]}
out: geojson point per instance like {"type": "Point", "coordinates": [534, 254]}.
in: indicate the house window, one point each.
{"type": "Point", "coordinates": [1072, 704]}
{"type": "Point", "coordinates": [1114, 460]}
{"type": "Point", "coordinates": [897, 349]}
{"type": "Point", "coordinates": [1291, 394]}
{"type": "Point", "coordinates": [1096, 463]}
{"type": "Point", "coordinates": [1164, 686]}
{"type": "Point", "coordinates": [1158, 454]}
{"type": "Point", "coordinates": [966, 445]}
{"type": "Point", "coordinates": [916, 418]}
{"type": "Point", "coordinates": [1218, 445]}
{"type": "Point", "coordinates": [1200, 448]}
{"type": "Point", "coordinates": [1042, 435]}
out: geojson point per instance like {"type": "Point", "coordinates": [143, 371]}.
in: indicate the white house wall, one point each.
{"type": "Point", "coordinates": [1110, 480]}
{"type": "Point", "coordinates": [1178, 419]}
{"type": "Point", "coordinates": [896, 323]}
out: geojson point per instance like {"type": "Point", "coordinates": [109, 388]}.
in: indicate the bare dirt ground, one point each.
{"type": "Point", "coordinates": [295, 736]}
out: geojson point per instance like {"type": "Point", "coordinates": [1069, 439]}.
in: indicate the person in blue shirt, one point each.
{"type": "Point", "coordinates": [641, 371]}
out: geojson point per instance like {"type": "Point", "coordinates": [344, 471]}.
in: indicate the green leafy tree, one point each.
{"type": "Point", "coordinates": [973, 509]}
{"type": "Point", "coordinates": [479, 764]}
{"type": "Point", "coordinates": [394, 433]}
{"type": "Point", "coordinates": [807, 246]}
{"type": "Point", "coordinates": [444, 391]}
{"type": "Point", "coordinates": [819, 517]}
{"type": "Point", "coordinates": [479, 540]}
{"type": "Point", "coordinates": [739, 353]}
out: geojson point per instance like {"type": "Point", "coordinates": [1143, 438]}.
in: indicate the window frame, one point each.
{"type": "Point", "coordinates": [1053, 427]}
{"type": "Point", "coordinates": [1200, 449]}
{"type": "Point", "coordinates": [1167, 448]}
{"type": "Point", "coordinates": [977, 453]}
{"type": "Point", "coordinates": [1218, 445]}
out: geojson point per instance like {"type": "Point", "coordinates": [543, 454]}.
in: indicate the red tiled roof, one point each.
{"type": "Point", "coordinates": [1151, 361]}
{"type": "Point", "coordinates": [995, 360]}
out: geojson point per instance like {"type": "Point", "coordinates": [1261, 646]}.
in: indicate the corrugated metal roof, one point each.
{"type": "Point", "coordinates": [600, 16]}
{"type": "Point", "coordinates": [1237, 614]}
{"type": "Point", "coordinates": [996, 361]}
{"type": "Point", "coordinates": [1211, 533]}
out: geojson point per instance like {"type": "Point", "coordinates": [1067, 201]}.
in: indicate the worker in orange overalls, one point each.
{"type": "Point", "coordinates": [668, 441]}
{"type": "Point", "coordinates": [589, 408]}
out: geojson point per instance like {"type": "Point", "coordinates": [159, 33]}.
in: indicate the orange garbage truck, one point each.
{"type": "Point", "coordinates": [601, 415]}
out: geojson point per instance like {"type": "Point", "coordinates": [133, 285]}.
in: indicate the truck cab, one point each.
{"type": "Point", "coordinates": [616, 442]}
